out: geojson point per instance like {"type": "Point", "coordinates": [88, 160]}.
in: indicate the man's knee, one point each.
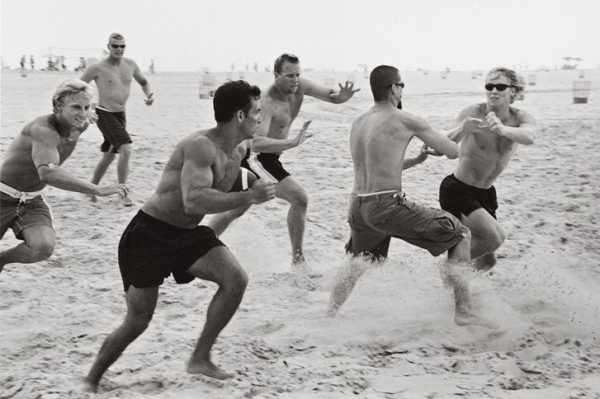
{"type": "Point", "coordinates": [41, 248]}
{"type": "Point", "coordinates": [494, 240]}
{"type": "Point", "coordinates": [235, 282]}
{"type": "Point", "coordinates": [299, 199]}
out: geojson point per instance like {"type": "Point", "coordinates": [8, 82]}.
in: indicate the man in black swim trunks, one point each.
{"type": "Point", "coordinates": [281, 105]}
{"type": "Point", "coordinates": [165, 237]}
{"type": "Point", "coordinates": [113, 77]}
{"type": "Point", "coordinates": [486, 149]}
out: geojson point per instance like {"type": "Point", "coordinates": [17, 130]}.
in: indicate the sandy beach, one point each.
{"type": "Point", "coordinates": [394, 338]}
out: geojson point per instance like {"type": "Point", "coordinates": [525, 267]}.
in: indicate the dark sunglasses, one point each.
{"type": "Point", "coordinates": [498, 87]}
{"type": "Point", "coordinates": [400, 84]}
{"type": "Point", "coordinates": [117, 45]}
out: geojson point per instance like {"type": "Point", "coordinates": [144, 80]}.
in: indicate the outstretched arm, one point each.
{"type": "Point", "coordinates": [327, 94]}
{"type": "Point", "coordinates": [45, 156]}
{"type": "Point", "coordinates": [523, 134]}
{"type": "Point", "coordinates": [262, 143]}
{"type": "Point", "coordinates": [439, 142]}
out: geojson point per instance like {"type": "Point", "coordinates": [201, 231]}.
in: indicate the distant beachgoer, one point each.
{"type": "Point", "coordinates": [33, 161]}
{"type": "Point", "coordinates": [113, 77]}
{"type": "Point", "coordinates": [32, 62]}
{"type": "Point", "coordinates": [281, 105]}
{"type": "Point", "coordinates": [380, 210]}
{"type": "Point", "coordinates": [164, 237]}
{"type": "Point", "coordinates": [22, 63]}
{"type": "Point", "coordinates": [486, 148]}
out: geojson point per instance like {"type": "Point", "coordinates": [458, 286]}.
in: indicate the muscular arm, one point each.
{"type": "Point", "coordinates": [433, 139]}
{"type": "Point", "coordinates": [524, 134]}
{"type": "Point", "coordinates": [199, 198]}
{"type": "Point", "coordinates": [44, 154]}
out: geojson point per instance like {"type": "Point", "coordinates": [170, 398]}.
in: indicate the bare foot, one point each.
{"type": "Point", "coordinates": [303, 281]}
{"type": "Point", "coordinates": [300, 266]}
{"type": "Point", "coordinates": [332, 311]}
{"type": "Point", "coordinates": [126, 201]}
{"type": "Point", "coordinates": [88, 386]}
{"type": "Point", "coordinates": [468, 318]}
{"type": "Point", "coordinates": [92, 198]}
{"type": "Point", "coordinates": [207, 368]}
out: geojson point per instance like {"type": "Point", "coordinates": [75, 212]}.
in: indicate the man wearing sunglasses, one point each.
{"type": "Point", "coordinates": [379, 209]}
{"type": "Point", "coordinates": [490, 138]}
{"type": "Point", "coordinates": [281, 105]}
{"type": "Point", "coordinates": [113, 77]}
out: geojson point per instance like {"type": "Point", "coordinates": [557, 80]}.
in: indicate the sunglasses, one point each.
{"type": "Point", "coordinates": [400, 84]}
{"type": "Point", "coordinates": [498, 87]}
{"type": "Point", "coordinates": [117, 45]}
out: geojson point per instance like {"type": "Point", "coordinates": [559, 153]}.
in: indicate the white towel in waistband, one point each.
{"type": "Point", "coordinates": [378, 193]}
{"type": "Point", "coordinates": [16, 194]}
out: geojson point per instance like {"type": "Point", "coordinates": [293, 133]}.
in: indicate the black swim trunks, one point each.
{"type": "Point", "coordinates": [151, 250]}
{"type": "Point", "coordinates": [459, 198]}
{"type": "Point", "coordinates": [112, 125]}
{"type": "Point", "coordinates": [269, 165]}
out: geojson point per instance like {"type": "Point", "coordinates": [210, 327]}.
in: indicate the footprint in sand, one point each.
{"type": "Point", "coordinates": [267, 328]}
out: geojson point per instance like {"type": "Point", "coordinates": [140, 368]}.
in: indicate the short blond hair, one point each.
{"type": "Point", "coordinates": [116, 36]}
{"type": "Point", "coordinates": [67, 88]}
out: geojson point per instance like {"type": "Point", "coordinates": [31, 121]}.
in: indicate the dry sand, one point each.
{"type": "Point", "coordinates": [394, 338]}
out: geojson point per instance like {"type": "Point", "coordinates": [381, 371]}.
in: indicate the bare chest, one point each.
{"type": "Point", "coordinates": [225, 172]}
{"type": "Point", "coordinates": [283, 114]}
{"type": "Point", "coordinates": [117, 77]}
{"type": "Point", "coordinates": [66, 146]}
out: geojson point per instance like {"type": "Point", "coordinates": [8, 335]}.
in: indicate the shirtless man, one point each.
{"type": "Point", "coordinates": [485, 150]}
{"type": "Point", "coordinates": [281, 105]}
{"type": "Point", "coordinates": [164, 237]}
{"type": "Point", "coordinates": [33, 161]}
{"type": "Point", "coordinates": [113, 77]}
{"type": "Point", "coordinates": [379, 210]}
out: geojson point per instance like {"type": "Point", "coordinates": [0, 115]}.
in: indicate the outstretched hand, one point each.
{"type": "Point", "coordinates": [119, 189]}
{"type": "Point", "coordinates": [472, 124]}
{"type": "Point", "coordinates": [346, 92]}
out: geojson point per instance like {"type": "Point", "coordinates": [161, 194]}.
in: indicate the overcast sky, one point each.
{"type": "Point", "coordinates": [192, 34]}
